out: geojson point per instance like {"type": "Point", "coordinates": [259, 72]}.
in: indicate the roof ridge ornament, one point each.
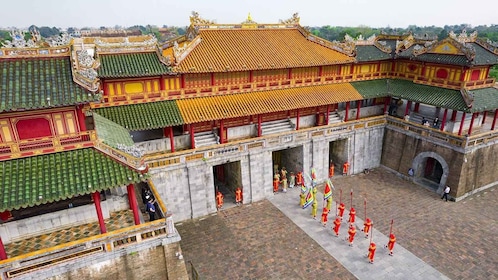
{"type": "Point", "coordinates": [249, 20]}
{"type": "Point", "coordinates": [18, 40]}
{"type": "Point", "coordinates": [196, 19]}
{"type": "Point", "coordinates": [293, 20]}
{"type": "Point", "coordinates": [463, 37]}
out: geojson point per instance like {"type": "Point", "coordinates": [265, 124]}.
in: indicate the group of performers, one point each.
{"type": "Point", "coordinates": [308, 197]}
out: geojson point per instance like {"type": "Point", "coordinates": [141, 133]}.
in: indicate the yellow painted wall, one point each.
{"type": "Point", "coordinates": [5, 130]}
{"type": "Point", "coordinates": [133, 87]}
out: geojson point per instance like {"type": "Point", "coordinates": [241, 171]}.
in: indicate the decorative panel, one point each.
{"type": "Point", "coordinates": [5, 130]}
{"type": "Point", "coordinates": [134, 87]}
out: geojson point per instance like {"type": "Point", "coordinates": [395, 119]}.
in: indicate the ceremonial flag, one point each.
{"type": "Point", "coordinates": [309, 200]}
{"type": "Point", "coordinates": [328, 189]}
{"type": "Point", "coordinates": [304, 189]}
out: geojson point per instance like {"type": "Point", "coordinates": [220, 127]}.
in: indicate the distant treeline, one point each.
{"type": "Point", "coordinates": [331, 33]}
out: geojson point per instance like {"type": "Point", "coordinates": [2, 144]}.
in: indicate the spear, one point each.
{"type": "Point", "coordinates": [340, 195]}
{"type": "Point", "coordinates": [391, 229]}
{"type": "Point", "coordinates": [351, 197]}
{"type": "Point", "coordinates": [371, 232]}
{"type": "Point", "coordinates": [365, 204]}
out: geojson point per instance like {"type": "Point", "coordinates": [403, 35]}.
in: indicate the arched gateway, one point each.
{"type": "Point", "coordinates": [430, 170]}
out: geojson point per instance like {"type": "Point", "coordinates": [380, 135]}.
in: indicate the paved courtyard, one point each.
{"type": "Point", "coordinates": [258, 241]}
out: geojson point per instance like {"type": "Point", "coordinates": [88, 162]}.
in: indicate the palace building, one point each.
{"type": "Point", "coordinates": [92, 128]}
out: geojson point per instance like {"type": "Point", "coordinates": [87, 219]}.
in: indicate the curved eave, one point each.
{"type": "Point", "coordinates": [209, 108]}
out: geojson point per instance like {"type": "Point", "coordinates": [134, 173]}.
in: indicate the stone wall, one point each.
{"type": "Point", "coordinates": [188, 188]}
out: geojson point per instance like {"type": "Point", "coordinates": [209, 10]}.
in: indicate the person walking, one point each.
{"type": "Point", "coordinates": [352, 215]}
{"type": "Point", "coordinates": [151, 209]}
{"type": "Point", "coordinates": [341, 208]}
{"type": "Point", "coordinates": [352, 233]}
{"type": "Point", "coordinates": [238, 196]}
{"type": "Point", "coordinates": [446, 192]}
{"type": "Point", "coordinates": [219, 200]}
{"type": "Point", "coordinates": [337, 225]}
{"type": "Point", "coordinates": [371, 252]}
{"type": "Point", "coordinates": [390, 244]}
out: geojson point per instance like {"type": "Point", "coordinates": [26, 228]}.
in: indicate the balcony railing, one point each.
{"type": "Point", "coordinates": [35, 146]}
{"type": "Point", "coordinates": [90, 246]}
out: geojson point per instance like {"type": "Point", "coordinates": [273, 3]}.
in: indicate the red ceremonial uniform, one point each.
{"type": "Point", "coordinates": [337, 225]}
{"type": "Point", "coordinates": [299, 178]}
{"type": "Point", "coordinates": [345, 168]}
{"type": "Point", "coordinates": [325, 214]}
{"type": "Point", "coordinates": [238, 196]}
{"type": "Point", "coordinates": [390, 245]}
{"type": "Point", "coordinates": [331, 170]}
{"type": "Point", "coordinates": [371, 252]}
{"type": "Point", "coordinates": [352, 233]}
{"type": "Point", "coordinates": [366, 226]}
{"type": "Point", "coordinates": [276, 182]}
{"type": "Point", "coordinates": [352, 215]}
{"type": "Point", "coordinates": [341, 209]}
{"type": "Point", "coordinates": [219, 200]}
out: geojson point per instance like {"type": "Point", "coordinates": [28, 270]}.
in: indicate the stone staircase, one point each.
{"type": "Point", "coordinates": [206, 138]}
{"type": "Point", "coordinates": [334, 117]}
{"type": "Point", "coordinates": [276, 126]}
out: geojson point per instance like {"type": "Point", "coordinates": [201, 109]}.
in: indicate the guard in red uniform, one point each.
{"type": "Point", "coordinates": [345, 168]}
{"type": "Point", "coordinates": [331, 170]}
{"type": "Point", "coordinates": [352, 215]}
{"type": "Point", "coordinates": [390, 244]}
{"type": "Point", "coordinates": [238, 196]}
{"type": "Point", "coordinates": [219, 200]}
{"type": "Point", "coordinates": [276, 182]}
{"type": "Point", "coordinates": [337, 225]}
{"type": "Point", "coordinates": [366, 227]}
{"type": "Point", "coordinates": [371, 252]}
{"type": "Point", "coordinates": [325, 215]}
{"type": "Point", "coordinates": [299, 178]}
{"type": "Point", "coordinates": [341, 209]}
{"type": "Point", "coordinates": [352, 233]}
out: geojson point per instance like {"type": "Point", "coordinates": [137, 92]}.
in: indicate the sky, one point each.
{"type": "Point", "coordinates": [352, 13]}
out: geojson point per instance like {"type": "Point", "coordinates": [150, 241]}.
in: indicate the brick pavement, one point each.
{"type": "Point", "coordinates": [255, 241]}
{"type": "Point", "coordinates": [457, 239]}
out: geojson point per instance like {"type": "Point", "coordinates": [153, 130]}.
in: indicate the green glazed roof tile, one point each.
{"type": "Point", "coordinates": [408, 90]}
{"type": "Point", "coordinates": [371, 89]}
{"type": "Point", "coordinates": [110, 132]}
{"type": "Point", "coordinates": [370, 53]}
{"type": "Point", "coordinates": [47, 178]}
{"type": "Point", "coordinates": [483, 56]}
{"type": "Point", "coordinates": [36, 83]}
{"type": "Point", "coordinates": [144, 116]}
{"type": "Point", "coordinates": [485, 99]}
{"type": "Point", "coordinates": [131, 65]}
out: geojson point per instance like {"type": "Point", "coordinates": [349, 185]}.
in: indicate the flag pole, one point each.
{"type": "Point", "coordinates": [391, 229]}
{"type": "Point", "coordinates": [365, 204]}
{"type": "Point", "coordinates": [351, 198]}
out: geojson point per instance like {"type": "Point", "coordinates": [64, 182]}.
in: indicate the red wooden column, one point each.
{"type": "Point", "coordinates": [386, 103]}
{"type": "Point", "coordinates": [358, 104]}
{"type": "Point", "coordinates": [297, 119]}
{"type": "Point", "coordinates": [443, 122]}
{"type": "Point", "coordinates": [417, 106]}
{"type": "Point", "coordinates": [171, 139]}
{"type": "Point", "coordinates": [408, 106]}
{"type": "Point", "coordinates": [81, 118]}
{"type": "Point", "coordinates": [484, 116]}
{"type": "Point", "coordinates": [494, 120]}
{"type": "Point", "coordinates": [3, 254]}
{"type": "Point", "coordinates": [474, 115]}
{"type": "Point", "coordinates": [453, 115]}
{"type": "Point", "coordinates": [259, 125]}
{"type": "Point", "coordinates": [222, 130]}
{"type": "Point", "coordinates": [182, 81]}
{"type": "Point", "coordinates": [192, 139]}
{"type": "Point", "coordinates": [133, 203]}
{"type": "Point", "coordinates": [328, 114]}
{"type": "Point", "coordinates": [96, 200]}
{"type": "Point", "coordinates": [347, 112]}
{"type": "Point", "coordinates": [461, 124]}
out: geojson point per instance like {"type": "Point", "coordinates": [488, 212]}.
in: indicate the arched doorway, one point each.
{"type": "Point", "coordinates": [430, 170]}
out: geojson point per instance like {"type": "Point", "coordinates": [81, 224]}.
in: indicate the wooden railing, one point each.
{"type": "Point", "coordinates": [281, 84]}
{"type": "Point", "coordinates": [29, 147]}
{"type": "Point", "coordinates": [108, 242]}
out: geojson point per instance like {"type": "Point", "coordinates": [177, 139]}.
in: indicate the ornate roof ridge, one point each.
{"type": "Point", "coordinates": [347, 47]}
{"type": "Point", "coordinates": [126, 44]}
{"type": "Point", "coordinates": [84, 68]}
{"type": "Point", "coordinates": [196, 22]}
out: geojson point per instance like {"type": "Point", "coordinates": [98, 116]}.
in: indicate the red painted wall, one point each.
{"type": "Point", "coordinates": [33, 128]}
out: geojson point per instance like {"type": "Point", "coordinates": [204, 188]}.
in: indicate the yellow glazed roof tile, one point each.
{"type": "Point", "coordinates": [256, 49]}
{"type": "Point", "coordinates": [201, 109]}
